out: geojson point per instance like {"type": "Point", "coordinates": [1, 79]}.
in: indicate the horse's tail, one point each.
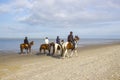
{"type": "Point", "coordinates": [40, 49]}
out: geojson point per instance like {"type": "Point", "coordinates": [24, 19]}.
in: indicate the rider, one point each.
{"type": "Point", "coordinates": [71, 39]}
{"type": "Point", "coordinates": [58, 40]}
{"type": "Point", "coordinates": [46, 40]}
{"type": "Point", "coordinates": [26, 41]}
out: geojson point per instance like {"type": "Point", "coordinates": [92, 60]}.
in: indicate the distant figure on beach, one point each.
{"type": "Point", "coordinates": [46, 40]}
{"type": "Point", "coordinates": [71, 39]}
{"type": "Point", "coordinates": [26, 41]}
{"type": "Point", "coordinates": [58, 40]}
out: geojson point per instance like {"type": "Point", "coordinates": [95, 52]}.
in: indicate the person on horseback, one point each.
{"type": "Point", "coordinates": [58, 40]}
{"type": "Point", "coordinates": [71, 39]}
{"type": "Point", "coordinates": [46, 40]}
{"type": "Point", "coordinates": [26, 42]}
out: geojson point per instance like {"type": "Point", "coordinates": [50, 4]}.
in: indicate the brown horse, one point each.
{"type": "Point", "coordinates": [27, 47]}
{"type": "Point", "coordinates": [70, 46]}
{"type": "Point", "coordinates": [47, 47]}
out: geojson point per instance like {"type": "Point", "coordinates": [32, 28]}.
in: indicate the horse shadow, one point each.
{"type": "Point", "coordinates": [22, 53]}
{"type": "Point", "coordinates": [49, 55]}
{"type": "Point", "coordinates": [39, 54]}
{"type": "Point", "coordinates": [56, 57]}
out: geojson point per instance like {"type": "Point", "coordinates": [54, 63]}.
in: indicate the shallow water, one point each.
{"type": "Point", "coordinates": [14, 44]}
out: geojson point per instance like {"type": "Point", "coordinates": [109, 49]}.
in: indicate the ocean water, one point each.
{"type": "Point", "coordinates": [14, 44]}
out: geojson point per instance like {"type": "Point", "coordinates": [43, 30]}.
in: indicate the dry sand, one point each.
{"type": "Point", "coordinates": [92, 63]}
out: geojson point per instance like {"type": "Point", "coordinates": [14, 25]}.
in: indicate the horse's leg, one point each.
{"type": "Point", "coordinates": [76, 52]}
{"type": "Point", "coordinates": [62, 51]}
{"type": "Point", "coordinates": [65, 53]}
{"type": "Point", "coordinates": [59, 49]}
{"type": "Point", "coordinates": [54, 50]}
{"type": "Point", "coordinates": [21, 49]}
{"type": "Point", "coordinates": [30, 50]}
{"type": "Point", "coordinates": [71, 54]}
{"type": "Point", "coordinates": [48, 51]}
{"type": "Point", "coordinates": [40, 49]}
{"type": "Point", "coordinates": [44, 51]}
{"type": "Point", "coordinates": [26, 51]}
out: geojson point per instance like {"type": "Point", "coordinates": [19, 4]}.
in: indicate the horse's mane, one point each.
{"type": "Point", "coordinates": [77, 38]}
{"type": "Point", "coordinates": [31, 43]}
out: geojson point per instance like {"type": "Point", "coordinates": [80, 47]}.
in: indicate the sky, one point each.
{"type": "Point", "coordinates": [51, 18]}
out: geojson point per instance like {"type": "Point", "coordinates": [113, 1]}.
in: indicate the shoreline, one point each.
{"type": "Point", "coordinates": [13, 45]}
{"type": "Point", "coordinates": [100, 60]}
{"type": "Point", "coordinates": [79, 46]}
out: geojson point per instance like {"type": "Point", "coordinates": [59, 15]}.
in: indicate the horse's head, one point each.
{"type": "Point", "coordinates": [32, 43]}
{"type": "Point", "coordinates": [62, 41]}
{"type": "Point", "coordinates": [52, 44]}
{"type": "Point", "coordinates": [76, 38]}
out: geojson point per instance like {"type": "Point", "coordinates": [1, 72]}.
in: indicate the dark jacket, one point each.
{"type": "Point", "coordinates": [58, 40]}
{"type": "Point", "coordinates": [70, 38]}
{"type": "Point", "coordinates": [26, 41]}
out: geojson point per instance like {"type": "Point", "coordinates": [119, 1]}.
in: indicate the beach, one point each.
{"type": "Point", "coordinates": [98, 62]}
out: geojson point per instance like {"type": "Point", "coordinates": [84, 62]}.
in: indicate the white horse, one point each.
{"type": "Point", "coordinates": [67, 46]}
{"type": "Point", "coordinates": [58, 49]}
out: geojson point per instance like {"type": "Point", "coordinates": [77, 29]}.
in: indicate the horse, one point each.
{"type": "Point", "coordinates": [70, 46]}
{"type": "Point", "coordinates": [27, 47]}
{"type": "Point", "coordinates": [47, 47]}
{"type": "Point", "coordinates": [58, 49]}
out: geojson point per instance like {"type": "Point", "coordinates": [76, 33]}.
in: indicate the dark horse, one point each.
{"type": "Point", "coordinates": [27, 47]}
{"type": "Point", "coordinates": [47, 47]}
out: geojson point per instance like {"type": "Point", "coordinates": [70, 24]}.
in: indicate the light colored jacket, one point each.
{"type": "Point", "coordinates": [46, 41]}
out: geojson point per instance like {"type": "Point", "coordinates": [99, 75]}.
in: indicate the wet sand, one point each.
{"type": "Point", "coordinates": [98, 62]}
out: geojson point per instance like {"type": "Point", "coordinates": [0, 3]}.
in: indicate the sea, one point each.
{"type": "Point", "coordinates": [14, 44]}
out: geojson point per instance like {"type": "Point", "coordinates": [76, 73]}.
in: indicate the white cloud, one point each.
{"type": "Point", "coordinates": [71, 11]}
{"type": "Point", "coordinates": [64, 10]}
{"type": "Point", "coordinates": [68, 14]}
{"type": "Point", "coordinates": [15, 6]}
{"type": "Point", "coordinates": [4, 8]}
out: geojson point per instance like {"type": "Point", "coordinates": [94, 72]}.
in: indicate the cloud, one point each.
{"type": "Point", "coordinates": [4, 8]}
{"type": "Point", "coordinates": [63, 11]}
{"type": "Point", "coordinates": [82, 16]}
{"type": "Point", "coordinates": [72, 11]}
{"type": "Point", "coordinates": [15, 6]}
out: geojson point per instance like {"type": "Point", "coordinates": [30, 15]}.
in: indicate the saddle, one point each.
{"type": "Point", "coordinates": [25, 46]}
{"type": "Point", "coordinates": [45, 46]}
{"type": "Point", "coordinates": [70, 45]}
